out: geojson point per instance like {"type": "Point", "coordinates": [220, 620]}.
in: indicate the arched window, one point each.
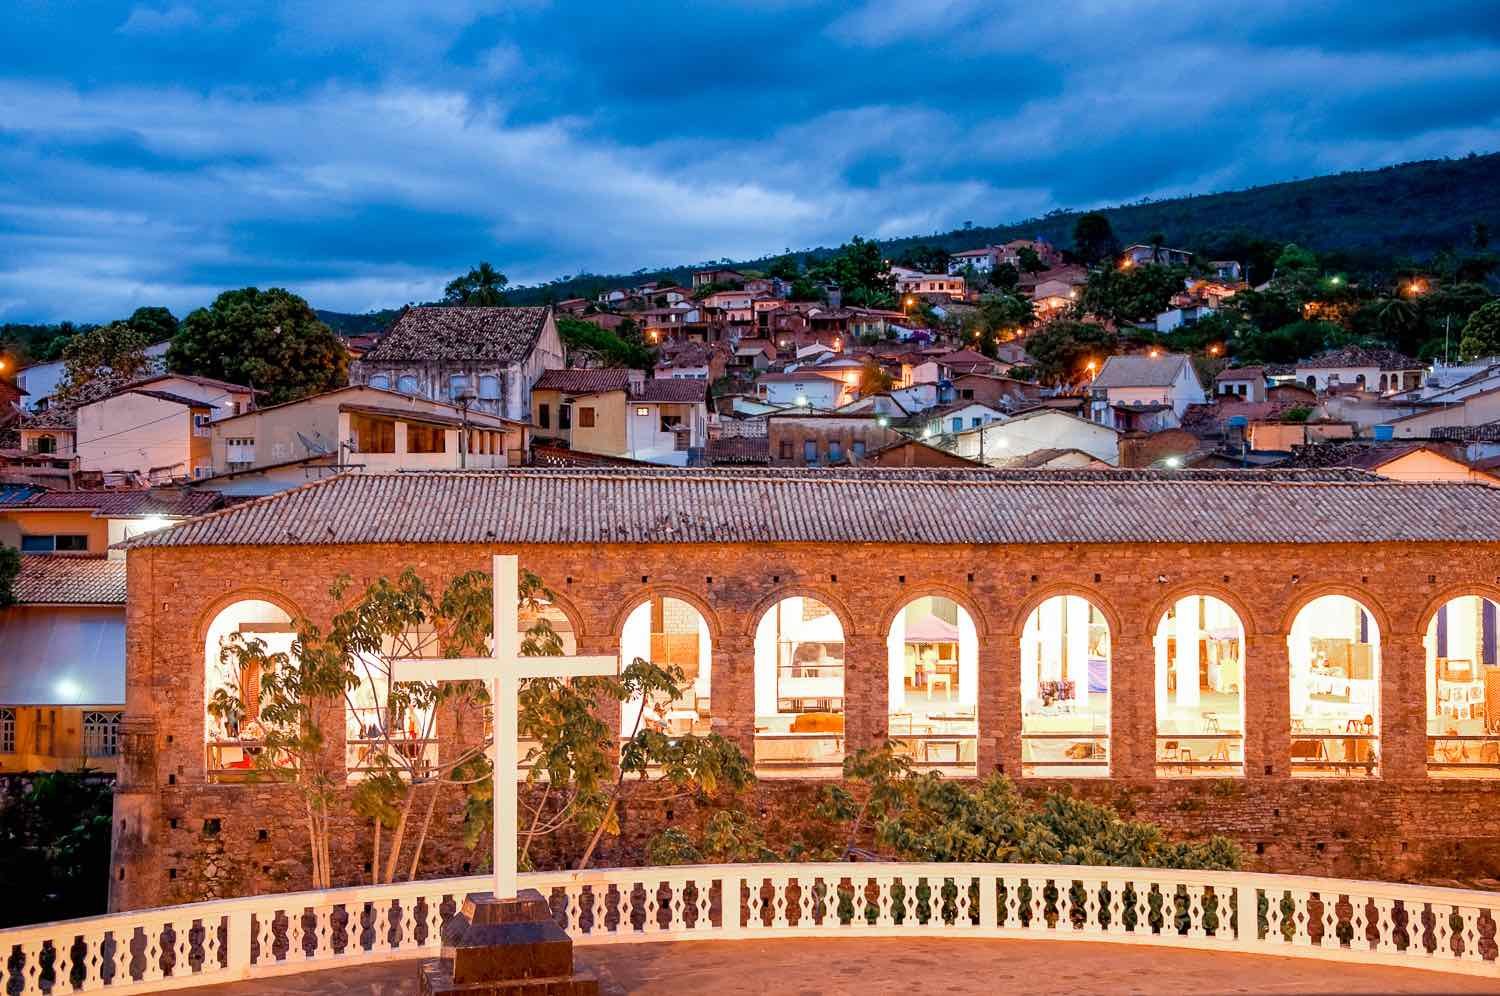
{"type": "Point", "coordinates": [1200, 681]}
{"type": "Point", "coordinates": [1334, 648]}
{"type": "Point", "coordinates": [381, 381]}
{"type": "Point", "coordinates": [669, 632]}
{"type": "Point", "coordinates": [1065, 659]}
{"type": "Point", "coordinates": [1312, 382]}
{"type": "Point", "coordinates": [1463, 689]}
{"type": "Point", "coordinates": [242, 639]}
{"type": "Point", "coordinates": [390, 729]}
{"type": "Point", "coordinates": [799, 688]}
{"type": "Point", "coordinates": [407, 384]}
{"type": "Point", "coordinates": [932, 656]}
{"type": "Point", "coordinates": [489, 387]}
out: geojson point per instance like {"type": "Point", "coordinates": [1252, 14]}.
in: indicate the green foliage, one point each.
{"type": "Point", "coordinates": [924, 817]}
{"type": "Point", "coordinates": [1481, 333]}
{"type": "Point", "coordinates": [1094, 238]}
{"type": "Point", "coordinates": [54, 848]}
{"type": "Point", "coordinates": [1295, 260]}
{"type": "Point", "coordinates": [483, 286]}
{"type": "Point", "coordinates": [10, 569]}
{"type": "Point", "coordinates": [612, 349]}
{"type": "Point", "coordinates": [114, 353]}
{"type": "Point", "coordinates": [873, 379]}
{"type": "Point", "coordinates": [270, 340]}
{"type": "Point", "coordinates": [730, 836]}
{"type": "Point", "coordinates": [926, 258]}
{"type": "Point", "coordinates": [1299, 414]}
{"type": "Point", "coordinates": [1134, 294]}
{"type": "Point", "coordinates": [1289, 343]}
{"type": "Point", "coordinates": [788, 267]}
{"type": "Point", "coordinates": [1030, 260]}
{"type": "Point", "coordinates": [1005, 277]}
{"type": "Point", "coordinates": [1063, 349]}
{"type": "Point", "coordinates": [860, 271]}
{"type": "Point", "coordinates": [156, 324]}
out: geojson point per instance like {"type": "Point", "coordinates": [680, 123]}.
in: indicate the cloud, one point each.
{"type": "Point", "coordinates": [363, 153]}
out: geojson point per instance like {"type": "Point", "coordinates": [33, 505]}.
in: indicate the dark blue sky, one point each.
{"type": "Point", "coordinates": [362, 153]}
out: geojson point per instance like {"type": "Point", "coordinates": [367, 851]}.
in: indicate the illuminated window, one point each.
{"type": "Point", "coordinates": [1200, 679]}
{"type": "Point", "coordinates": [426, 438]}
{"type": "Point", "coordinates": [373, 435]}
{"type": "Point", "coordinates": [1334, 648]}
{"type": "Point", "coordinates": [1065, 707]}
{"type": "Point", "coordinates": [101, 734]}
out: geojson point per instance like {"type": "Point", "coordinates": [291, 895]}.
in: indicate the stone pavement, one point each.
{"type": "Point", "coordinates": [957, 967]}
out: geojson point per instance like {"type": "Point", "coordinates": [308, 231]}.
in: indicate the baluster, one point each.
{"type": "Point", "coordinates": [963, 904]}
{"type": "Point", "coordinates": [1116, 908]}
{"type": "Point", "coordinates": [1275, 917]}
{"type": "Point", "coordinates": [32, 973]}
{"type": "Point", "coordinates": [434, 922]}
{"type": "Point", "coordinates": [755, 905]}
{"type": "Point", "coordinates": [651, 905]}
{"type": "Point", "coordinates": [1195, 911]}
{"type": "Point", "coordinates": [1038, 904]}
{"type": "Point", "coordinates": [1442, 932]}
{"type": "Point", "coordinates": [1385, 927]}
{"type": "Point", "coordinates": [1064, 904]}
{"type": "Point", "coordinates": [1301, 918]}
{"type": "Point", "coordinates": [323, 932]}
{"type": "Point", "coordinates": [93, 961]}
{"type": "Point", "coordinates": [380, 923]}
{"type": "Point", "coordinates": [909, 902]}
{"type": "Point", "coordinates": [779, 886]}
{"type": "Point", "coordinates": [1092, 906]}
{"type": "Point", "coordinates": [703, 906]}
{"type": "Point", "coordinates": [62, 965]}
{"type": "Point", "coordinates": [1144, 892]}
{"type": "Point", "coordinates": [1013, 904]}
{"type": "Point", "coordinates": [805, 892]}
{"type": "Point", "coordinates": [153, 970]}
{"type": "Point", "coordinates": [1330, 920]}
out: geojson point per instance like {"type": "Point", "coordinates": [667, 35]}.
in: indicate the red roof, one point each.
{"type": "Point", "coordinates": [593, 381]}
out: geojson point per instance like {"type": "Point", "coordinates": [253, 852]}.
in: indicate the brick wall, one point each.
{"type": "Point", "coordinates": [1402, 825]}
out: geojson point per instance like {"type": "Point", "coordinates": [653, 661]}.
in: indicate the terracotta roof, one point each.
{"type": "Point", "coordinates": [592, 381]}
{"type": "Point", "coordinates": [1040, 458]}
{"type": "Point", "coordinates": [499, 335]}
{"type": "Point", "coordinates": [738, 450]}
{"type": "Point", "coordinates": [124, 504]}
{"type": "Point", "coordinates": [1242, 373]}
{"type": "Point", "coordinates": [52, 580]}
{"type": "Point", "coordinates": [195, 379]}
{"type": "Point", "coordinates": [671, 390]}
{"type": "Point", "coordinates": [1358, 356]}
{"type": "Point", "coordinates": [662, 505]}
{"type": "Point", "coordinates": [176, 399]}
{"type": "Point", "coordinates": [51, 418]}
{"type": "Point", "coordinates": [545, 455]}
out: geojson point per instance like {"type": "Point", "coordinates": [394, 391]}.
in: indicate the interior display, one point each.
{"type": "Point", "coordinates": [1463, 689]}
{"type": "Point", "coordinates": [799, 672]}
{"type": "Point", "coordinates": [1065, 690]}
{"type": "Point", "coordinates": [1334, 650]}
{"type": "Point", "coordinates": [1199, 649]}
{"type": "Point", "coordinates": [933, 665]}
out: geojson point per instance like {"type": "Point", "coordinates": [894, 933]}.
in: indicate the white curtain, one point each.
{"type": "Point", "coordinates": [895, 656]}
{"type": "Point", "coordinates": [968, 660]}
{"type": "Point", "coordinates": [635, 641]}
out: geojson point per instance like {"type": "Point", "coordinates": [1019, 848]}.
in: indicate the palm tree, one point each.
{"type": "Point", "coordinates": [1157, 240]}
{"type": "Point", "coordinates": [483, 286]}
{"type": "Point", "coordinates": [1397, 316]}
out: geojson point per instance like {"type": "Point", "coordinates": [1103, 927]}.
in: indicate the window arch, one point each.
{"type": "Point", "coordinates": [1200, 681]}
{"type": "Point", "coordinates": [669, 632]}
{"type": "Point", "coordinates": [407, 384]}
{"type": "Point", "coordinates": [1463, 689]}
{"type": "Point", "coordinates": [932, 658]}
{"type": "Point", "coordinates": [234, 732]}
{"type": "Point", "coordinates": [1334, 648]}
{"type": "Point", "coordinates": [1065, 690]}
{"type": "Point", "coordinates": [381, 381]}
{"type": "Point", "coordinates": [799, 687]}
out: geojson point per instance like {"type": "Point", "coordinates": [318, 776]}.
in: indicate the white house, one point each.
{"type": "Point", "coordinates": [156, 429]}
{"type": "Point", "coordinates": [951, 419]}
{"type": "Point", "coordinates": [1141, 254]}
{"type": "Point", "coordinates": [804, 387]}
{"type": "Point", "coordinates": [1154, 383]}
{"type": "Point", "coordinates": [40, 381]}
{"type": "Point", "coordinates": [1383, 371]}
{"type": "Point", "coordinates": [1175, 318]}
{"type": "Point", "coordinates": [1038, 429]}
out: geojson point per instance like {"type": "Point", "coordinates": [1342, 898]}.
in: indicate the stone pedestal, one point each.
{"type": "Point", "coordinates": [505, 947]}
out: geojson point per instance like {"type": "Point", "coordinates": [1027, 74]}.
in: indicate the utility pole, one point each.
{"type": "Point", "coordinates": [464, 400]}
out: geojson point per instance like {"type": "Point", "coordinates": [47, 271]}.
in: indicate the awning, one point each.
{"type": "Point", "coordinates": [931, 629]}
{"type": "Point", "coordinates": [64, 655]}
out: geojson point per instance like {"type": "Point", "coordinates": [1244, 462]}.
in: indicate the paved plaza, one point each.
{"type": "Point", "coordinates": [814, 967]}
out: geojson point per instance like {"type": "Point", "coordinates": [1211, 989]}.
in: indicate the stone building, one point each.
{"type": "Point", "coordinates": [1303, 660]}
{"type": "Point", "coordinates": [491, 355]}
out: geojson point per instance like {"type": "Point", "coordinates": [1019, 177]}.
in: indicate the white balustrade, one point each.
{"type": "Point", "coordinates": [1447, 930]}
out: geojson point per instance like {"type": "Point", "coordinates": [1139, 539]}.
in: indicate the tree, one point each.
{"type": "Point", "coordinates": [10, 570]}
{"type": "Point", "coordinates": [270, 340]}
{"type": "Point", "coordinates": [1130, 295]}
{"type": "Point", "coordinates": [483, 286]}
{"type": "Point", "coordinates": [1156, 240]}
{"type": "Point", "coordinates": [102, 357]}
{"type": "Point", "coordinates": [156, 324]}
{"type": "Point", "coordinates": [1004, 315]}
{"type": "Point", "coordinates": [1289, 343]}
{"type": "Point", "coordinates": [860, 271]}
{"type": "Point", "coordinates": [1295, 260]}
{"type": "Point", "coordinates": [1006, 277]}
{"type": "Point", "coordinates": [1062, 350]}
{"type": "Point", "coordinates": [1030, 260]}
{"type": "Point", "coordinates": [1481, 333]}
{"type": "Point", "coordinates": [1093, 237]}
{"type": "Point", "coordinates": [786, 267]}
{"type": "Point", "coordinates": [613, 349]}
{"type": "Point", "coordinates": [926, 258]}
{"type": "Point", "coordinates": [872, 378]}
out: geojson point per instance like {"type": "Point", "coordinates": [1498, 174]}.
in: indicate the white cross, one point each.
{"type": "Point", "coordinates": [503, 671]}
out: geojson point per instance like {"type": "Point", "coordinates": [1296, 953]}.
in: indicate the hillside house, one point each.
{"type": "Point", "coordinates": [1038, 429]}
{"type": "Point", "coordinates": [1382, 371]}
{"type": "Point", "coordinates": [618, 413]}
{"type": "Point", "coordinates": [490, 355]}
{"type": "Point", "coordinates": [1144, 392]}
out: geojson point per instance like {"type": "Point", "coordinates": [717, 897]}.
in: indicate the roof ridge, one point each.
{"type": "Point", "coordinates": [136, 540]}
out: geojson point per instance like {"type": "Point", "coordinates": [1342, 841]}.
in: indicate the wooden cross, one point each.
{"type": "Point", "coordinates": [503, 671]}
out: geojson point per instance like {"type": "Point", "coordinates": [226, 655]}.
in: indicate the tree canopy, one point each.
{"type": "Point", "coordinates": [612, 349]}
{"type": "Point", "coordinates": [1062, 350]}
{"type": "Point", "coordinates": [1481, 333]}
{"type": "Point", "coordinates": [1129, 295]}
{"type": "Point", "coordinates": [860, 271]}
{"type": "Point", "coordinates": [1093, 237]}
{"type": "Point", "coordinates": [483, 286]}
{"type": "Point", "coordinates": [267, 339]}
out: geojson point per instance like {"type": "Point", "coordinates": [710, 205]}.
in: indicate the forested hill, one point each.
{"type": "Point", "coordinates": [1366, 219]}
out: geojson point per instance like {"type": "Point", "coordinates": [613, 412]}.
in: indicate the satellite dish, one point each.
{"type": "Point", "coordinates": [313, 447]}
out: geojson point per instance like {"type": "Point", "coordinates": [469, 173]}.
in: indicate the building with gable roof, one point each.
{"type": "Point", "coordinates": [492, 355]}
{"type": "Point", "coordinates": [1145, 391]}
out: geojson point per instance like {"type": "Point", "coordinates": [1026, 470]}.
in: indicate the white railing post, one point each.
{"type": "Point", "coordinates": [237, 942]}
{"type": "Point", "coordinates": [1247, 917]}
{"type": "Point", "coordinates": [989, 913]}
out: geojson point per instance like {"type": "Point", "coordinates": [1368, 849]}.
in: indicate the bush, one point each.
{"type": "Point", "coordinates": [54, 848]}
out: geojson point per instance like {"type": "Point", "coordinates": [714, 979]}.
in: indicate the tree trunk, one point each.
{"type": "Point", "coordinates": [399, 837]}
{"type": "Point", "coordinates": [312, 844]}
{"type": "Point", "coordinates": [375, 858]}
{"type": "Point", "coordinates": [535, 819]}
{"type": "Point", "coordinates": [416, 854]}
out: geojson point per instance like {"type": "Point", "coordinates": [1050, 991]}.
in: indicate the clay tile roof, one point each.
{"type": "Point", "coordinates": [499, 335]}
{"type": "Point", "coordinates": [826, 505]}
{"type": "Point", "coordinates": [592, 381]}
{"type": "Point", "coordinates": [1242, 373]}
{"type": "Point", "coordinates": [739, 450]}
{"type": "Point", "coordinates": [1140, 371]}
{"type": "Point", "coordinates": [52, 580]}
{"type": "Point", "coordinates": [1358, 356]}
{"type": "Point", "coordinates": [176, 399]}
{"type": "Point", "coordinates": [125, 504]}
{"type": "Point", "coordinates": [671, 390]}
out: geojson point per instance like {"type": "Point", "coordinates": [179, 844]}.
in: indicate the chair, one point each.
{"type": "Point", "coordinates": [946, 680]}
{"type": "Point", "coordinates": [1211, 723]}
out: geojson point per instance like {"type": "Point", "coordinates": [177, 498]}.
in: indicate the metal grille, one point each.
{"type": "Point", "coordinates": [101, 734]}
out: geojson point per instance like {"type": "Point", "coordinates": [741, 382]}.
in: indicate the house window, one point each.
{"type": "Point", "coordinates": [44, 444]}
{"type": "Point", "coordinates": [835, 452]}
{"type": "Point", "coordinates": [967, 394]}
{"type": "Point", "coordinates": [7, 731]}
{"type": "Point", "coordinates": [200, 424]}
{"type": "Point", "coordinates": [786, 449]}
{"type": "Point", "coordinates": [489, 388]}
{"type": "Point", "coordinates": [373, 435]}
{"type": "Point", "coordinates": [671, 423]}
{"type": "Point", "coordinates": [381, 381]}
{"type": "Point", "coordinates": [644, 412]}
{"type": "Point", "coordinates": [425, 438]}
{"type": "Point", "coordinates": [61, 543]}
{"type": "Point", "coordinates": [975, 423]}
{"type": "Point", "coordinates": [544, 416]}
{"type": "Point", "coordinates": [585, 418]}
{"type": "Point", "coordinates": [458, 385]}
{"type": "Point", "coordinates": [810, 451]}
{"type": "Point", "coordinates": [565, 416]}
{"type": "Point", "coordinates": [958, 423]}
{"type": "Point", "coordinates": [407, 384]}
{"type": "Point", "coordinates": [240, 451]}
{"type": "Point", "coordinates": [101, 734]}
{"type": "Point", "coordinates": [858, 449]}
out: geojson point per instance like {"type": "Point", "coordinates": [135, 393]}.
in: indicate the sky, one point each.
{"type": "Point", "coordinates": [362, 154]}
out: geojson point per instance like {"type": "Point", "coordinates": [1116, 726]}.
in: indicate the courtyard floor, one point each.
{"type": "Point", "coordinates": [813, 967]}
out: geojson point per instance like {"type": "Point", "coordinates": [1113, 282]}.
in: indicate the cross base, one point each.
{"type": "Point", "coordinates": [504, 947]}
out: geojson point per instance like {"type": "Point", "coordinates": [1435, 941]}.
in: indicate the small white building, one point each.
{"type": "Point", "coordinates": [1153, 381]}
{"type": "Point", "coordinates": [1039, 429]}
{"type": "Point", "coordinates": [40, 381]}
{"type": "Point", "coordinates": [1141, 254]}
{"type": "Point", "coordinates": [804, 387]}
{"type": "Point", "coordinates": [953, 419]}
{"type": "Point", "coordinates": [1175, 318]}
{"type": "Point", "coordinates": [1382, 371]}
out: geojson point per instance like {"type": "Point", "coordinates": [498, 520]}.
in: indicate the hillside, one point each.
{"type": "Point", "coordinates": [1365, 219]}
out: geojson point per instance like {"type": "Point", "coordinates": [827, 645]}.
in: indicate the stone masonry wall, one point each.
{"type": "Point", "coordinates": [179, 838]}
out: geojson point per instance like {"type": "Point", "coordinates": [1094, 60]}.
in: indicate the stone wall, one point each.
{"type": "Point", "coordinates": [1401, 825]}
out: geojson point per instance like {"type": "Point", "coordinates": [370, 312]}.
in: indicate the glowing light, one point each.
{"type": "Point", "coordinates": [882, 421]}
{"type": "Point", "coordinates": [927, 432]}
{"type": "Point", "coordinates": [67, 689]}
{"type": "Point", "coordinates": [1174, 462]}
{"type": "Point", "coordinates": [801, 401]}
{"type": "Point", "coordinates": [151, 524]}
{"type": "Point", "coordinates": [1155, 353]}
